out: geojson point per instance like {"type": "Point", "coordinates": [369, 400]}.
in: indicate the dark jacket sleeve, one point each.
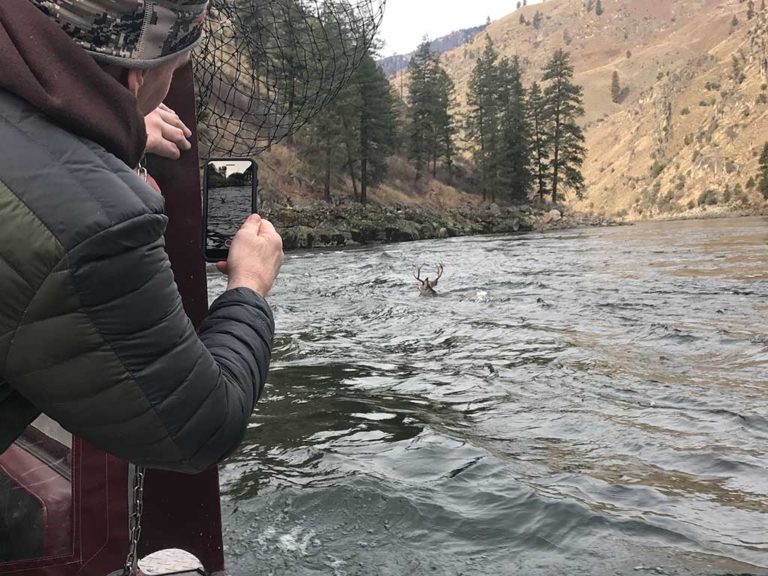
{"type": "Point", "coordinates": [106, 349]}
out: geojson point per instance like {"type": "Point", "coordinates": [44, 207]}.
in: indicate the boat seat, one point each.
{"type": "Point", "coordinates": [35, 507]}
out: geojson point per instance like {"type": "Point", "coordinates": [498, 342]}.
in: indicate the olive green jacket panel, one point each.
{"type": "Point", "coordinates": [28, 252]}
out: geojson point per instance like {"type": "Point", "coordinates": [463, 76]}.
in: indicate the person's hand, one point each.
{"type": "Point", "coordinates": [255, 256]}
{"type": "Point", "coordinates": [153, 184]}
{"type": "Point", "coordinates": [166, 133]}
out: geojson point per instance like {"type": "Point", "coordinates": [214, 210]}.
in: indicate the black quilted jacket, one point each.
{"type": "Point", "coordinates": [92, 330]}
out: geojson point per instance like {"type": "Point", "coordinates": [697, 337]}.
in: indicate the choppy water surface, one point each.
{"type": "Point", "coordinates": [585, 402]}
{"type": "Point", "coordinates": [228, 207]}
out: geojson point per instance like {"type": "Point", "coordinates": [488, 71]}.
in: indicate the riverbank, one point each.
{"type": "Point", "coordinates": [319, 225]}
{"type": "Point", "coordinates": [710, 213]}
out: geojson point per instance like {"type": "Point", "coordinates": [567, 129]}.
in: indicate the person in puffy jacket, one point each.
{"type": "Point", "coordinates": [92, 329]}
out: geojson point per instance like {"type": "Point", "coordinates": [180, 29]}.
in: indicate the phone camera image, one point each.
{"type": "Point", "coordinates": [229, 198]}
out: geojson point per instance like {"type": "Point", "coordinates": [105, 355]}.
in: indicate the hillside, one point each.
{"type": "Point", "coordinates": [399, 62]}
{"type": "Point", "coordinates": [691, 127]}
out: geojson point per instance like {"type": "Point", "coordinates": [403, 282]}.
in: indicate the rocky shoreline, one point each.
{"type": "Point", "coordinates": [322, 225]}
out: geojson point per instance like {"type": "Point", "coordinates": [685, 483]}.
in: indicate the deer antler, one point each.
{"type": "Point", "coordinates": [439, 274]}
{"type": "Point", "coordinates": [418, 273]}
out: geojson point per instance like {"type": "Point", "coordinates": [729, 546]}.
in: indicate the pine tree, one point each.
{"type": "Point", "coordinates": [615, 88]}
{"type": "Point", "coordinates": [283, 29]}
{"type": "Point", "coordinates": [563, 106]}
{"type": "Point", "coordinates": [422, 70]}
{"type": "Point", "coordinates": [483, 118]}
{"type": "Point", "coordinates": [430, 120]}
{"type": "Point", "coordinates": [537, 18]}
{"type": "Point", "coordinates": [354, 131]}
{"type": "Point", "coordinates": [322, 141]}
{"type": "Point", "coordinates": [445, 126]}
{"type": "Point", "coordinates": [763, 184]}
{"type": "Point", "coordinates": [515, 148]}
{"type": "Point", "coordinates": [375, 115]}
{"type": "Point", "coordinates": [737, 69]}
{"type": "Point", "coordinates": [330, 140]}
{"type": "Point", "coordinates": [539, 139]}
{"type": "Point", "coordinates": [750, 9]}
{"type": "Point", "coordinates": [397, 128]}
{"type": "Point", "coordinates": [497, 126]}
{"type": "Point", "coordinates": [599, 8]}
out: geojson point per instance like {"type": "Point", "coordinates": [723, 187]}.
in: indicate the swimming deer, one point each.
{"type": "Point", "coordinates": [427, 286]}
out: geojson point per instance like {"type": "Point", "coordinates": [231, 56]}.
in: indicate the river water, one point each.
{"type": "Point", "coordinates": [584, 402]}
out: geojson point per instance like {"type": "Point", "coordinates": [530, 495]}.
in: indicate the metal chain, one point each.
{"type": "Point", "coordinates": [134, 523]}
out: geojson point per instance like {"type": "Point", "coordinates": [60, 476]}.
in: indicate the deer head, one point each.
{"type": "Point", "coordinates": [427, 286]}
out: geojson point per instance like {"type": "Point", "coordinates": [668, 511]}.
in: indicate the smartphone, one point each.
{"type": "Point", "coordinates": [229, 197]}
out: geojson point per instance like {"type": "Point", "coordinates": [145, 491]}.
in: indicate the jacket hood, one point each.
{"type": "Point", "coordinates": [40, 64]}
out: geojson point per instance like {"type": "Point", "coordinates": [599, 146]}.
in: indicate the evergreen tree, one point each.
{"type": "Point", "coordinates": [354, 131]}
{"type": "Point", "coordinates": [539, 139]}
{"type": "Point", "coordinates": [483, 118]}
{"type": "Point", "coordinates": [563, 106]}
{"type": "Point", "coordinates": [282, 29]}
{"type": "Point", "coordinates": [537, 18]}
{"type": "Point", "coordinates": [296, 67]}
{"type": "Point", "coordinates": [514, 132]}
{"type": "Point", "coordinates": [322, 141]}
{"type": "Point", "coordinates": [397, 129]}
{"type": "Point", "coordinates": [763, 184]}
{"type": "Point", "coordinates": [615, 88]}
{"type": "Point", "coordinates": [422, 72]}
{"type": "Point", "coordinates": [498, 126]}
{"type": "Point", "coordinates": [329, 141]}
{"type": "Point", "coordinates": [430, 91]}
{"type": "Point", "coordinates": [737, 69]}
{"type": "Point", "coordinates": [599, 8]}
{"type": "Point", "coordinates": [750, 9]}
{"type": "Point", "coordinates": [444, 122]}
{"type": "Point", "coordinates": [375, 117]}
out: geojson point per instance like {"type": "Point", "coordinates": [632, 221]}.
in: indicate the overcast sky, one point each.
{"type": "Point", "coordinates": [407, 21]}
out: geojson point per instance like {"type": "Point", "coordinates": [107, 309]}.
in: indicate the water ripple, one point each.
{"type": "Point", "coordinates": [586, 402]}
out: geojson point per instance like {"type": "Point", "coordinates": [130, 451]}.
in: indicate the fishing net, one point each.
{"type": "Point", "coordinates": [266, 67]}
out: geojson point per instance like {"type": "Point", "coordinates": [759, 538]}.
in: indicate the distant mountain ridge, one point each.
{"type": "Point", "coordinates": [394, 64]}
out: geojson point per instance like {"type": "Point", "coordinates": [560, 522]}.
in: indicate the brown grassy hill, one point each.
{"type": "Point", "coordinates": [688, 132]}
{"type": "Point", "coordinates": [284, 174]}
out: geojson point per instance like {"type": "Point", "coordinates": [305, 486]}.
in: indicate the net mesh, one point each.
{"type": "Point", "coordinates": [266, 67]}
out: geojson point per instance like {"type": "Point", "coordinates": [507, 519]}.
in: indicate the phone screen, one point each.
{"type": "Point", "coordinates": [229, 197]}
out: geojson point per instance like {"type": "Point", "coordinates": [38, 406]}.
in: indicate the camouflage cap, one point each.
{"type": "Point", "coordinates": [130, 33]}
